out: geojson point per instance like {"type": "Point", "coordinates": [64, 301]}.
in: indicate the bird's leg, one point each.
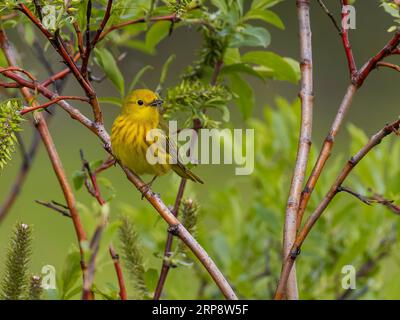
{"type": "Point", "coordinates": [146, 187]}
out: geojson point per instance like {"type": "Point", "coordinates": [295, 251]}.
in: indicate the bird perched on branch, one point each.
{"type": "Point", "coordinates": [130, 143]}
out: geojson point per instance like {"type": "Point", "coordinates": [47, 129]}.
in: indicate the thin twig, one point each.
{"type": "Point", "coordinates": [375, 198]}
{"type": "Point", "coordinates": [88, 47]}
{"type": "Point", "coordinates": [330, 15]}
{"type": "Point", "coordinates": [364, 199]}
{"type": "Point", "coordinates": [55, 207]}
{"type": "Point", "coordinates": [389, 65]}
{"type": "Point", "coordinates": [50, 103]}
{"type": "Point", "coordinates": [103, 24]}
{"type": "Point", "coordinates": [387, 203]}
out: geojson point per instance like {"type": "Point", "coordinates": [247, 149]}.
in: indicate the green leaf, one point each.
{"type": "Point", "coordinates": [261, 4]}
{"type": "Point", "coordinates": [111, 100]}
{"type": "Point", "coordinates": [151, 278]}
{"type": "Point", "coordinates": [241, 68]}
{"type": "Point", "coordinates": [265, 15]}
{"type": "Point", "coordinates": [138, 45]}
{"type": "Point", "coordinates": [78, 178]}
{"type": "Point", "coordinates": [250, 36]}
{"type": "Point", "coordinates": [3, 60]}
{"type": "Point", "coordinates": [109, 235]}
{"type": "Point", "coordinates": [107, 62]}
{"type": "Point", "coordinates": [295, 66]}
{"type": "Point", "coordinates": [244, 95]}
{"type": "Point", "coordinates": [283, 70]}
{"type": "Point", "coordinates": [138, 76]}
{"type": "Point", "coordinates": [71, 272]}
{"type": "Point", "coordinates": [391, 9]}
{"type": "Point", "coordinates": [221, 5]}
{"type": "Point", "coordinates": [157, 33]}
{"type": "Point", "coordinates": [165, 68]}
{"type": "Point", "coordinates": [232, 55]}
{"type": "Point", "coordinates": [95, 164]}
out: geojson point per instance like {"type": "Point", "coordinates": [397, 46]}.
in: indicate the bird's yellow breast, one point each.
{"type": "Point", "coordinates": [129, 144]}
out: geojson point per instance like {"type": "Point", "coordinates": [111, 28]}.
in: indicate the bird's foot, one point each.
{"type": "Point", "coordinates": [144, 189]}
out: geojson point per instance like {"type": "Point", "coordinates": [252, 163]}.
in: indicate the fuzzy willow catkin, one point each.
{"type": "Point", "coordinates": [10, 121]}
{"type": "Point", "coordinates": [15, 281]}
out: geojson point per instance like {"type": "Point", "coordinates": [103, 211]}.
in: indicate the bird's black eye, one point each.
{"type": "Point", "coordinates": [140, 102]}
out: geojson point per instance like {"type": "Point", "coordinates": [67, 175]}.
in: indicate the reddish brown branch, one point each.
{"type": "Point", "coordinates": [103, 24]}
{"type": "Point", "coordinates": [79, 38]}
{"type": "Point", "coordinates": [41, 125]}
{"type": "Point", "coordinates": [28, 74]}
{"type": "Point", "coordinates": [57, 43]}
{"type": "Point", "coordinates": [50, 103]}
{"type": "Point", "coordinates": [325, 152]}
{"type": "Point", "coordinates": [344, 34]}
{"type": "Point", "coordinates": [346, 44]}
{"type": "Point", "coordinates": [104, 33]}
{"type": "Point", "coordinates": [387, 50]}
{"type": "Point", "coordinates": [302, 235]}
{"type": "Point", "coordinates": [88, 47]}
{"type": "Point", "coordinates": [122, 25]}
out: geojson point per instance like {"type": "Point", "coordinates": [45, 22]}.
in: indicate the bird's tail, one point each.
{"type": "Point", "coordinates": [186, 173]}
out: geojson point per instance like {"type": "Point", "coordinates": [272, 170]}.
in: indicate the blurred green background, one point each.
{"type": "Point", "coordinates": [375, 105]}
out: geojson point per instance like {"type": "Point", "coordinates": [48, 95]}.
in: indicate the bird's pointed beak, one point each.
{"type": "Point", "coordinates": [157, 103]}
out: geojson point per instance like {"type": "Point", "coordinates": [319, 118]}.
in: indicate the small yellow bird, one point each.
{"type": "Point", "coordinates": [139, 115]}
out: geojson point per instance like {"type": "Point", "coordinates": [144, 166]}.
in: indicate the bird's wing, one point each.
{"type": "Point", "coordinates": [172, 148]}
{"type": "Point", "coordinates": [173, 152]}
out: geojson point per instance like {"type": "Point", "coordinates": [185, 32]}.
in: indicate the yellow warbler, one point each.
{"type": "Point", "coordinates": [129, 144]}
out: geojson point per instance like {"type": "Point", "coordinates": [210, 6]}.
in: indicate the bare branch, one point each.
{"type": "Point", "coordinates": [304, 143]}
{"type": "Point", "coordinates": [302, 235]}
